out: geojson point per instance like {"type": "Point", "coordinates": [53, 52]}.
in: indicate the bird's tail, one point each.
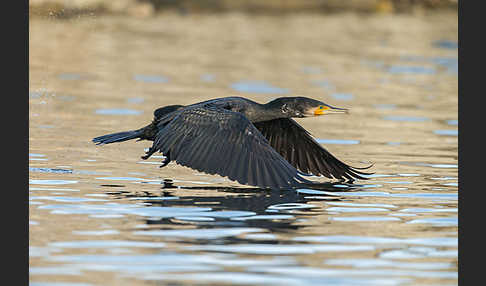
{"type": "Point", "coordinates": [118, 137]}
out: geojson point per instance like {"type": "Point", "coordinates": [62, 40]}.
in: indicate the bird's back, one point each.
{"type": "Point", "coordinates": [224, 102]}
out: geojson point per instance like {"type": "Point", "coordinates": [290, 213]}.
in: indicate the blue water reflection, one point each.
{"type": "Point", "coordinates": [257, 87]}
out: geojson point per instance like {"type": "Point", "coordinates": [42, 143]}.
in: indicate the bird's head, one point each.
{"type": "Point", "coordinates": [304, 107]}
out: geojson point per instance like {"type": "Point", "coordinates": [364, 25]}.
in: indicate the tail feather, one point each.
{"type": "Point", "coordinates": [117, 137]}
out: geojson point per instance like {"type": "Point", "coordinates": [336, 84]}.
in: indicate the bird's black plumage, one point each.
{"type": "Point", "coordinates": [298, 147]}
{"type": "Point", "coordinates": [254, 144]}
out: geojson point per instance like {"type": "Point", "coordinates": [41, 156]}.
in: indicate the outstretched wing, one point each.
{"type": "Point", "coordinates": [219, 141]}
{"type": "Point", "coordinates": [298, 147]}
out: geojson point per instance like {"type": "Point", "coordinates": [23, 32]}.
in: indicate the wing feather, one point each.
{"type": "Point", "coordinates": [297, 146]}
{"type": "Point", "coordinates": [219, 141]}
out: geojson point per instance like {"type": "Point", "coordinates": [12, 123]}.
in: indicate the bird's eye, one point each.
{"type": "Point", "coordinates": [321, 107]}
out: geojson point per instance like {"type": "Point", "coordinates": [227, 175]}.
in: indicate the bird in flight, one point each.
{"type": "Point", "coordinates": [254, 144]}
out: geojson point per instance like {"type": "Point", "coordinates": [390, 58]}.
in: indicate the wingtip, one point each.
{"type": "Point", "coordinates": [364, 168]}
{"type": "Point", "coordinates": [97, 141]}
{"type": "Point", "coordinates": [353, 171]}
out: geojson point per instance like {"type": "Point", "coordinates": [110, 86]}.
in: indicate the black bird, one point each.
{"type": "Point", "coordinates": [254, 144]}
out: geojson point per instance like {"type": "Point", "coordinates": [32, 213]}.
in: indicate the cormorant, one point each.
{"type": "Point", "coordinates": [254, 144]}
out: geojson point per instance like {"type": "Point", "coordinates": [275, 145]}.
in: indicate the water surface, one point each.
{"type": "Point", "coordinates": [99, 215]}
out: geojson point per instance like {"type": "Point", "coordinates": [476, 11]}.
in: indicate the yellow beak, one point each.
{"type": "Point", "coordinates": [326, 109]}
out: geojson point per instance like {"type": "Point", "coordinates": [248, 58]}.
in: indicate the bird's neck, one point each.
{"type": "Point", "coordinates": [265, 112]}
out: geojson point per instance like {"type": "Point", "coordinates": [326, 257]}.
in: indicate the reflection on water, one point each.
{"type": "Point", "coordinates": [336, 141]}
{"type": "Point", "coordinates": [411, 69]}
{"type": "Point", "coordinates": [208, 77]}
{"type": "Point", "coordinates": [150, 78]}
{"type": "Point", "coordinates": [259, 231]}
{"type": "Point", "coordinates": [102, 216]}
{"type": "Point", "coordinates": [446, 44]}
{"type": "Point", "coordinates": [342, 96]}
{"type": "Point", "coordinates": [136, 100]}
{"type": "Point", "coordinates": [117, 111]}
{"type": "Point", "coordinates": [447, 132]}
{"type": "Point", "coordinates": [257, 87]}
{"type": "Point", "coordinates": [69, 76]}
{"type": "Point", "coordinates": [405, 118]}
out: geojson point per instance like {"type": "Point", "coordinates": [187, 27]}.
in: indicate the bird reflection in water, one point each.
{"type": "Point", "coordinates": [266, 204]}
